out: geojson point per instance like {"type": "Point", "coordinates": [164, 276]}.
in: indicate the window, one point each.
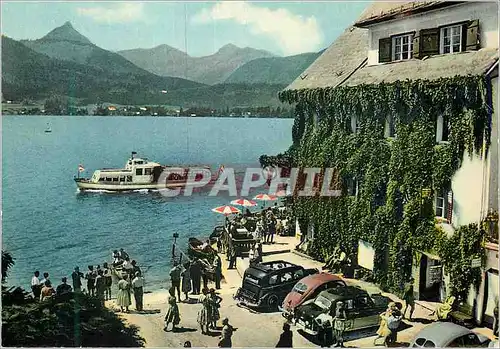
{"type": "Point", "coordinates": [147, 171]}
{"type": "Point", "coordinates": [101, 179]}
{"type": "Point", "coordinates": [355, 125]}
{"type": "Point", "coordinates": [390, 127]}
{"type": "Point", "coordinates": [286, 277]}
{"type": "Point", "coordinates": [442, 129]}
{"type": "Point", "coordinates": [362, 303]}
{"type": "Point", "coordinates": [349, 304]}
{"type": "Point", "coordinates": [108, 179]}
{"type": "Point", "coordinates": [129, 178]}
{"type": "Point", "coordinates": [138, 171]}
{"type": "Point", "coordinates": [451, 39]}
{"type": "Point", "coordinates": [352, 187]}
{"type": "Point", "coordinates": [299, 274]}
{"type": "Point", "coordinates": [440, 206]}
{"type": "Point", "coordinates": [122, 178]}
{"type": "Point", "coordinates": [115, 179]}
{"type": "Point", "coordinates": [402, 47]}
{"type": "Point", "coordinates": [273, 280]}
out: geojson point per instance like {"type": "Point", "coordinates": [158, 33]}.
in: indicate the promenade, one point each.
{"type": "Point", "coordinates": [254, 329]}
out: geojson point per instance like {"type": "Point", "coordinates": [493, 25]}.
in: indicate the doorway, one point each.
{"type": "Point", "coordinates": [431, 278]}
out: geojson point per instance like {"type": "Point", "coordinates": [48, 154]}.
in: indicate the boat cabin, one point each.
{"type": "Point", "coordinates": [137, 171]}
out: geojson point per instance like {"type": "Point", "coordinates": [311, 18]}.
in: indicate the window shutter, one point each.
{"type": "Point", "coordinates": [384, 50]}
{"type": "Point", "coordinates": [470, 36]}
{"type": "Point", "coordinates": [429, 41]}
{"type": "Point", "coordinates": [449, 213]}
{"type": "Point", "coordinates": [416, 46]}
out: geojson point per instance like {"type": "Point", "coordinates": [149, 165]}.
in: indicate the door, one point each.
{"type": "Point", "coordinates": [366, 313]}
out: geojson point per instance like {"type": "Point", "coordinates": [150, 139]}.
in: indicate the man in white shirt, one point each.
{"type": "Point", "coordinates": [138, 288]}
{"type": "Point", "coordinates": [35, 285]}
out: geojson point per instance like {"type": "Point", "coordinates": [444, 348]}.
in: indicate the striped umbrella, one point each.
{"type": "Point", "coordinates": [244, 202]}
{"type": "Point", "coordinates": [226, 210]}
{"type": "Point", "coordinates": [265, 197]}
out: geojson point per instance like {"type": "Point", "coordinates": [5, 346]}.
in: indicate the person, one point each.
{"type": "Point", "coordinates": [409, 297]}
{"type": "Point", "coordinates": [393, 322]}
{"type": "Point", "coordinates": [214, 308]}
{"type": "Point", "coordinates": [204, 314]}
{"type": "Point", "coordinates": [195, 272]}
{"type": "Point", "coordinates": [172, 316]}
{"type": "Point", "coordinates": [175, 279]}
{"type": "Point", "coordinates": [204, 276]}
{"type": "Point", "coordinates": [227, 332]}
{"type": "Point", "coordinates": [90, 277]}
{"type": "Point", "coordinates": [76, 276]}
{"type": "Point", "coordinates": [186, 281]}
{"type": "Point", "coordinates": [100, 286]}
{"type": "Point", "coordinates": [232, 257]}
{"type": "Point", "coordinates": [259, 253]}
{"type": "Point", "coordinates": [36, 285]}
{"type": "Point", "coordinates": [248, 213]}
{"type": "Point", "coordinates": [187, 344]}
{"type": "Point", "coordinates": [495, 319]}
{"type": "Point", "coordinates": [124, 255]}
{"type": "Point", "coordinates": [116, 258]}
{"type": "Point", "coordinates": [109, 281]}
{"type": "Point", "coordinates": [286, 336]}
{"type": "Point", "coordinates": [123, 297]}
{"type": "Point", "coordinates": [45, 278]}
{"type": "Point", "coordinates": [339, 324]}
{"type": "Point", "coordinates": [218, 271]}
{"type": "Point", "coordinates": [259, 230]}
{"type": "Point", "coordinates": [135, 268]}
{"type": "Point", "coordinates": [138, 289]}
{"type": "Point", "coordinates": [251, 255]}
{"type": "Point", "coordinates": [443, 310]}
{"type": "Point", "coordinates": [47, 291]}
{"type": "Point", "coordinates": [63, 288]}
{"type": "Point", "coordinates": [383, 330]}
{"type": "Point", "coordinates": [279, 228]}
{"type": "Point", "coordinates": [219, 244]}
{"type": "Point", "coordinates": [128, 267]}
{"type": "Point", "coordinates": [271, 229]}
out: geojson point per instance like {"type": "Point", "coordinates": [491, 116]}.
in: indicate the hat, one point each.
{"type": "Point", "coordinates": [225, 321]}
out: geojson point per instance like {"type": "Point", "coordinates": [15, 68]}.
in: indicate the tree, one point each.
{"type": "Point", "coordinates": [71, 320]}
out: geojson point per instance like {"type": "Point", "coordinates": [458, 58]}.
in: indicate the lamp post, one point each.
{"type": "Point", "coordinates": [176, 235]}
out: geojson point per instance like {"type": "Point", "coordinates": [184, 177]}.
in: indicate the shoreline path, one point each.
{"type": "Point", "coordinates": [254, 329]}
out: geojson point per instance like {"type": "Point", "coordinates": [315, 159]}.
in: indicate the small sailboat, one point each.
{"type": "Point", "coordinates": [48, 129]}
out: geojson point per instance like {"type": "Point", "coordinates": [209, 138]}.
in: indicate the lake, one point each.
{"type": "Point", "coordinates": [49, 226]}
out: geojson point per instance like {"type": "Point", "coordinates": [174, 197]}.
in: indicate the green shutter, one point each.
{"type": "Point", "coordinates": [384, 50]}
{"type": "Point", "coordinates": [471, 36]}
{"type": "Point", "coordinates": [429, 42]}
{"type": "Point", "coordinates": [416, 46]}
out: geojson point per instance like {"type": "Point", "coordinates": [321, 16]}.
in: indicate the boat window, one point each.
{"type": "Point", "coordinates": [130, 162]}
{"type": "Point", "coordinates": [129, 178]}
{"type": "Point", "coordinates": [122, 178]}
{"type": "Point", "coordinates": [101, 179]}
{"type": "Point", "coordinates": [300, 288]}
{"type": "Point", "coordinates": [147, 171]}
{"type": "Point", "coordinates": [138, 162]}
{"type": "Point", "coordinates": [115, 179]}
{"type": "Point", "coordinates": [138, 171]}
{"type": "Point", "coordinates": [108, 179]}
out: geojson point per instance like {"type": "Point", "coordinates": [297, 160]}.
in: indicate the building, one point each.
{"type": "Point", "coordinates": [427, 41]}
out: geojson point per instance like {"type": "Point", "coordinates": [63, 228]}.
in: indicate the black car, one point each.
{"type": "Point", "coordinates": [315, 317]}
{"type": "Point", "coordinates": [265, 285]}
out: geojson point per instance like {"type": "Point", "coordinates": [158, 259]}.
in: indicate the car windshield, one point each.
{"type": "Point", "coordinates": [300, 288]}
{"type": "Point", "coordinates": [322, 302]}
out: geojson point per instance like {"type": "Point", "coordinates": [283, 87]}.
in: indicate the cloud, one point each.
{"type": "Point", "coordinates": [292, 33]}
{"type": "Point", "coordinates": [119, 13]}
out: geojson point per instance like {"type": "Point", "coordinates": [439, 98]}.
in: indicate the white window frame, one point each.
{"type": "Point", "coordinates": [355, 124]}
{"type": "Point", "coordinates": [440, 195]}
{"type": "Point", "coordinates": [442, 37]}
{"type": "Point", "coordinates": [440, 130]}
{"type": "Point", "coordinates": [408, 46]}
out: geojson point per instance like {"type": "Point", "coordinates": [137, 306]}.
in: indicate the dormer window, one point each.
{"type": "Point", "coordinates": [402, 47]}
{"type": "Point", "coordinates": [451, 39]}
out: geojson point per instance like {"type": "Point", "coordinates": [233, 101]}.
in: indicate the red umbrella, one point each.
{"type": "Point", "coordinates": [226, 210]}
{"type": "Point", "coordinates": [244, 202]}
{"type": "Point", "coordinates": [265, 197]}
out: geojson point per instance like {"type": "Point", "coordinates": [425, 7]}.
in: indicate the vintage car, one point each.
{"type": "Point", "coordinates": [265, 285]}
{"type": "Point", "coordinates": [308, 288]}
{"type": "Point", "coordinates": [446, 334]}
{"type": "Point", "coordinates": [362, 310]}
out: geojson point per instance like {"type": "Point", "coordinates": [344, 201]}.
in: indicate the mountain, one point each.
{"type": "Point", "coordinates": [30, 74]}
{"type": "Point", "coordinates": [273, 70]}
{"type": "Point", "coordinates": [168, 61]}
{"type": "Point", "coordinates": [65, 43]}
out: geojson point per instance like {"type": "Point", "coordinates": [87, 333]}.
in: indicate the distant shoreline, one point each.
{"type": "Point", "coordinates": [155, 116]}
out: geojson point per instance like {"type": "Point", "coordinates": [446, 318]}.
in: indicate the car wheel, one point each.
{"type": "Point", "coordinates": [272, 302]}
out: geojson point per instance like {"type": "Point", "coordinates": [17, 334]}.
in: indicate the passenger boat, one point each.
{"type": "Point", "coordinates": [48, 129]}
{"type": "Point", "coordinates": [138, 174]}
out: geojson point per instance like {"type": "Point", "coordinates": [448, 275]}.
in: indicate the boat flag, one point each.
{"type": "Point", "coordinates": [81, 168]}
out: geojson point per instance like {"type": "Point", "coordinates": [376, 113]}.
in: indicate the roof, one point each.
{"type": "Point", "coordinates": [274, 265]}
{"type": "Point", "coordinates": [337, 62]}
{"type": "Point", "coordinates": [384, 11]}
{"type": "Point", "coordinates": [343, 292]}
{"type": "Point", "coordinates": [319, 278]}
{"type": "Point", "coordinates": [432, 68]}
{"type": "Point", "coordinates": [441, 333]}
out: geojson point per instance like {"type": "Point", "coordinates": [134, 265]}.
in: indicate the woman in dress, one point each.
{"type": "Point", "coordinates": [215, 301]}
{"type": "Point", "coordinates": [123, 297]}
{"type": "Point", "coordinates": [173, 315]}
{"type": "Point", "coordinates": [384, 331]}
{"type": "Point", "coordinates": [186, 280]}
{"type": "Point", "coordinates": [204, 315]}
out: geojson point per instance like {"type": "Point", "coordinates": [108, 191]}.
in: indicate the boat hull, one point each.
{"type": "Point", "coordinates": [86, 185]}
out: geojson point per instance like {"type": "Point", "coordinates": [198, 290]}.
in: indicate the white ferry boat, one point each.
{"type": "Point", "coordinates": [138, 174]}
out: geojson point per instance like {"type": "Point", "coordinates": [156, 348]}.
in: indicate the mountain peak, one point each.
{"type": "Point", "coordinates": [66, 32]}
{"type": "Point", "coordinates": [228, 48]}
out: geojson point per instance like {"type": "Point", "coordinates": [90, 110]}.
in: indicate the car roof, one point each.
{"type": "Point", "coordinates": [343, 292]}
{"type": "Point", "coordinates": [319, 279]}
{"type": "Point", "coordinates": [268, 267]}
{"type": "Point", "coordinates": [441, 333]}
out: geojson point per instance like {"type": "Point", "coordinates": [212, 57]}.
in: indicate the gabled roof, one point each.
{"type": "Point", "coordinates": [384, 11]}
{"type": "Point", "coordinates": [337, 62]}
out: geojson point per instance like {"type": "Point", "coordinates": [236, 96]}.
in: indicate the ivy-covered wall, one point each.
{"type": "Point", "coordinates": [394, 208]}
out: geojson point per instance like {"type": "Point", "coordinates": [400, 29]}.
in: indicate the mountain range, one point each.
{"type": "Point", "coordinates": [64, 62]}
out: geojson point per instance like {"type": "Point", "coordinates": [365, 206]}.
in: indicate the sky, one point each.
{"type": "Point", "coordinates": [198, 28]}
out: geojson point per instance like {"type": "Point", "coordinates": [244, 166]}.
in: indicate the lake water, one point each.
{"type": "Point", "coordinates": [49, 226]}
